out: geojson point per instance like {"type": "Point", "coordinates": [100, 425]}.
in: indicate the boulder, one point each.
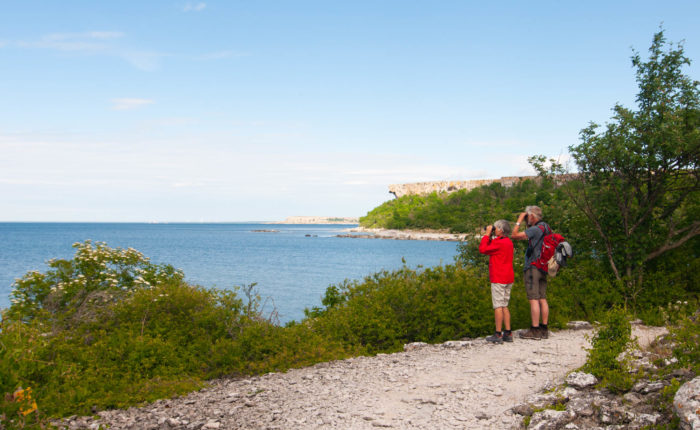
{"type": "Point", "coordinates": [686, 404]}
{"type": "Point", "coordinates": [581, 380]}
{"type": "Point", "coordinates": [414, 346]}
{"type": "Point", "coordinates": [579, 325]}
{"type": "Point", "coordinates": [550, 419]}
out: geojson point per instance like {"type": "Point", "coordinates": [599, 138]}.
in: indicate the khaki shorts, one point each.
{"type": "Point", "coordinates": [500, 295]}
{"type": "Point", "coordinates": [535, 284]}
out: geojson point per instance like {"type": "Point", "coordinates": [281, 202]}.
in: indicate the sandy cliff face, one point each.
{"type": "Point", "coordinates": [423, 188]}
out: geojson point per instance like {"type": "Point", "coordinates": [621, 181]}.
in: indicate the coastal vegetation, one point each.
{"type": "Point", "coordinates": [110, 329]}
{"type": "Point", "coordinates": [631, 207]}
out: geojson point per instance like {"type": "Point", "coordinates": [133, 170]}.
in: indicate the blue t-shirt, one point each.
{"type": "Point", "coordinates": [535, 235]}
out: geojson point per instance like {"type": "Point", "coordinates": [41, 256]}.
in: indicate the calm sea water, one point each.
{"type": "Point", "coordinates": [292, 267]}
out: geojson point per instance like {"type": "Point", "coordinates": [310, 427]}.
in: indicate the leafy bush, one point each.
{"type": "Point", "coordinates": [389, 309]}
{"type": "Point", "coordinates": [684, 334]}
{"type": "Point", "coordinates": [605, 359]}
{"type": "Point", "coordinates": [75, 290]}
{"type": "Point", "coordinates": [108, 329]}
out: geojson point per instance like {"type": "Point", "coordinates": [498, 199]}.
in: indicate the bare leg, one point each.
{"type": "Point", "coordinates": [506, 318]}
{"type": "Point", "coordinates": [535, 312]}
{"type": "Point", "coordinates": [544, 310]}
{"type": "Point", "coordinates": [498, 314]}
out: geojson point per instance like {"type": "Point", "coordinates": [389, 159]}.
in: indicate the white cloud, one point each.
{"type": "Point", "coordinates": [194, 7]}
{"type": "Point", "coordinates": [97, 43]}
{"type": "Point", "coordinates": [129, 103]}
{"type": "Point", "coordinates": [230, 177]}
{"type": "Point", "coordinates": [92, 41]}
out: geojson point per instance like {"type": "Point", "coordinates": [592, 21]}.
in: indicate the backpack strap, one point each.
{"type": "Point", "coordinates": [544, 227]}
{"type": "Point", "coordinates": [538, 245]}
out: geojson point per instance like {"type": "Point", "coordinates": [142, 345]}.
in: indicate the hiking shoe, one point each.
{"type": "Point", "coordinates": [507, 337]}
{"type": "Point", "coordinates": [495, 338]}
{"type": "Point", "coordinates": [531, 333]}
{"type": "Point", "coordinates": [544, 333]}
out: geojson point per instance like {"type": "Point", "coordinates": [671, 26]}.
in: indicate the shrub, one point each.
{"type": "Point", "coordinates": [77, 289]}
{"type": "Point", "coordinates": [389, 309]}
{"type": "Point", "coordinates": [108, 329]}
{"type": "Point", "coordinates": [605, 359]}
{"type": "Point", "coordinates": [684, 334]}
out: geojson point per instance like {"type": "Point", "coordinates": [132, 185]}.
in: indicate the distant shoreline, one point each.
{"type": "Point", "coordinates": [381, 233]}
{"type": "Point", "coordinates": [318, 220]}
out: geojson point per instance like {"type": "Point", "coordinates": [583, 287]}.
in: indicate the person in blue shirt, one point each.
{"type": "Point", "coordinates": [535, 279]}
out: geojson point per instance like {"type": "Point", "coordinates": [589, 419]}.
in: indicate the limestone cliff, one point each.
{"type": "Point", "coordinates": [422, 188]}
{"type": "Point", "coordinates": [319, 220]}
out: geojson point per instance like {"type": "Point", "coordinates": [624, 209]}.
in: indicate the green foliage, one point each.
{"type": "Point", "coordinates": [462, 211]}
{"type": "Point", "coordinates": [637, 180]}
{"type": "Point", "coordinates": [389, 309]}
{"type": "Point", "coordinates": [146, 339]}
{"type": "Point", "coordinates": [605, 359]}
{"type": "Point", "coordinates": [665, 405]}
{"type": "Point", "coordinates": [77, 289]}
{"type": "Point", "coordinates": [685, 336]}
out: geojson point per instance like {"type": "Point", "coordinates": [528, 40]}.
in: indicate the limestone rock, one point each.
{"type": "Point", "coordinates": [581, 380]}
{"type": "Point", "coordinates": [569, 393]}
{"type": "Point", "coordinates": [686, 404]}
{"type": "Point", "coordinates": [457, 344]}
{"type": "Point", "coordinates": [415, 346]}
{"type": "Point", "coordinates": [523, 409]}
{"type": "Point", "coordinates": [424, 188]}
{"type": "Point", "coordinates": [550, 419]}
{"type": "Point", "coordinates": [645, 420]}
{"type": "Point", "coordinates": [581, 407]}
{"type": "Point", "coordinates": [579, 325]}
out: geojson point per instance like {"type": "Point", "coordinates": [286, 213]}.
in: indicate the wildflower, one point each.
{"type": "Point", "coordinates": [25, 396]}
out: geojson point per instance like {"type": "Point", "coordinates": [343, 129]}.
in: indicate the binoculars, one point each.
{"type": "Point", "coordinates": [493, 230]}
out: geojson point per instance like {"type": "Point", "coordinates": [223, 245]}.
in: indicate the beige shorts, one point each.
{"type": "Point", "coordinates": [500, 294]}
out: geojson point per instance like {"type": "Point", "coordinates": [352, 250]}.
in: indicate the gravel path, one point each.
{"type": "Point", "coordinates": [455, 385]}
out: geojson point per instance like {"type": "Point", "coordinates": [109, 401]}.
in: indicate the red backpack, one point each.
{"type": "Point", "coordinates": [549, 246]}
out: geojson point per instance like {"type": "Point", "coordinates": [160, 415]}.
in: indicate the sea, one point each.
{"type": "Point", "coordinates": [291, 264]}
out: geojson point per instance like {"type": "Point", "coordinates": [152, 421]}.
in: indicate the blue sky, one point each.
{"type": "Point", "coordinates": [222, 111]}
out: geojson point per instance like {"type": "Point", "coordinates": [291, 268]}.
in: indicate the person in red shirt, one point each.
{"type": "Point", "coordinates": [500, 252]}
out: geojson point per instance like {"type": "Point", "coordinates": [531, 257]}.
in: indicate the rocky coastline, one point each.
{"type": "Point", "coordinates": [380, 233]}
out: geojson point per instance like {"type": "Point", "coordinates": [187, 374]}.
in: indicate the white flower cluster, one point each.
{"type": "Point", "coordinates": [95, 266]}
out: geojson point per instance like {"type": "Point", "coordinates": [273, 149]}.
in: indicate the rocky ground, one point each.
{"type": "Point", "coordinates": [456, 385]}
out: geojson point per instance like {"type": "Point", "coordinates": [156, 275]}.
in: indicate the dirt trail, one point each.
{"type": "Point", "coordinates": [455, 385]}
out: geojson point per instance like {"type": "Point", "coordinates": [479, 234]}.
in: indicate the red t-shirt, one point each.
{"type": "Point", "coordinates": [500, 252]}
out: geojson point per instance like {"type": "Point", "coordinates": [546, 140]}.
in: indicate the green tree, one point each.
{"type": "Point", "coordinates": [637, 180]}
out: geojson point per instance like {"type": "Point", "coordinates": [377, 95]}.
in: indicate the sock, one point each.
{"type": "Point", "coordinates": [508, 332]}
{"type": "Point", "coordinates": [544, 326]}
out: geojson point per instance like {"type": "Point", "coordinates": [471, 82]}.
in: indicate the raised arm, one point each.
{"type": "Point", "coordinates": [516, 233]}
